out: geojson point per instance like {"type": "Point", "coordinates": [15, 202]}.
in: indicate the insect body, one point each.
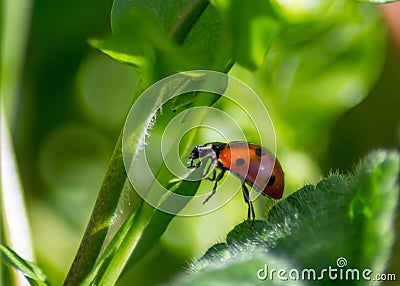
{"type": "Point", "coordinates": [253, 164]}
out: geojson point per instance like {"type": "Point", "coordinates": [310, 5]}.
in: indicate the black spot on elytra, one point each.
{"type": "Point", "coordinates": [239, 162]}
{"type": "Point", "coordinates": [260, 152]}
{"type": "Point", "coordinates": [271, 181]}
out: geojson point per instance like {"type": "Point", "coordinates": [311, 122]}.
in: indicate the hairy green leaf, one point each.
{"type": "Point", "coordinates": [339, 220]}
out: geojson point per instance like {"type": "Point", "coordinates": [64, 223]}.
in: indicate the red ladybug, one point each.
{"type": "Point", "coordinates": [262, 170]}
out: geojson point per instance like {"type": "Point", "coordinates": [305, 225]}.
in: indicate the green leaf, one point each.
{"type": "Point", "coordinates": [164, 13]}
{"type": "Point", "coordinates": [139, 41]}
{"type": "Point", "coordinates": [319, 68]}
{"type": "Point", "coordinates": [160, 38]}
{"type": "Point", "coordinates": [350, 218]}
{"type": "Point", "coordinates": [33, 273]}
{"type": "Point", "coordinates": [242, 269]}
{"type": "Point", "coordinates": [375, 188]}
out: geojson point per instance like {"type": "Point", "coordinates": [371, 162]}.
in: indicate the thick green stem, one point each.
{"type": "Point", "coordinates": [186, 20]}
{"type": "Point", "coordinates": [115, 179]}
{"type": "Point", "coordinates": [99, 223]}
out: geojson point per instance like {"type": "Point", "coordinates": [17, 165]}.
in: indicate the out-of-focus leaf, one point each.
{"type": "Point", "coordinates": [163, 12]}
{"type": "Point", "coordinates": [33, 273]}
{"type": "Point", "coordinates": [250, 28]}
{"type": "Point", "coordinates": [136, 40]}
{"type": "Point", "coordinates": [377, 1]}
{"type": "Point", "coordinates": [14, 217]}
{"type": "Point", "coordinates": [152, 37]}
{"type": "Point", "coordinates": [339, 220]}
{"type": "Point", "coordinates": [316, 71]}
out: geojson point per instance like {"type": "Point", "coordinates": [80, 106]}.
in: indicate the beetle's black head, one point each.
{"type": "Point", "coordinates": [195, 154]}
{"type": "Point", "coordinates": [210, 149]}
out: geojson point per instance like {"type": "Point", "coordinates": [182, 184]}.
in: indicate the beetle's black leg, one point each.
{"type": "Point", "coordinates": [214, 173]}
{"type": "Point", "coordinates": [251, 214]}
{"type": "Point", "coordinates": [216, 179]}
{"type": "Point", "coordinates": [192, 165]}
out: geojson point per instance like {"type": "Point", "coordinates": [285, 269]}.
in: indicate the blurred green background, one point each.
{"type": "Point", "coordinates": [331, 83]}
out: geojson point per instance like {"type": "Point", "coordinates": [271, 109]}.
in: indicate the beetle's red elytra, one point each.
{"type": "Point", "coordinates": [252, 164]}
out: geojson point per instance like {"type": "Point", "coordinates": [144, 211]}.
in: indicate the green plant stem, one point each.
{"type": "Point", "coordinates": [141, 228]}
{"type": "Point", "coordinates": [186, 20]}
{"type": "Point", "coordinates": [129, 243]}
{"type": "Point", "coordinates": [99, 222]}
{"type": "Point", "coordinates": [111, 249]}
{"type": "Point", "coordinates": [115, 178]}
